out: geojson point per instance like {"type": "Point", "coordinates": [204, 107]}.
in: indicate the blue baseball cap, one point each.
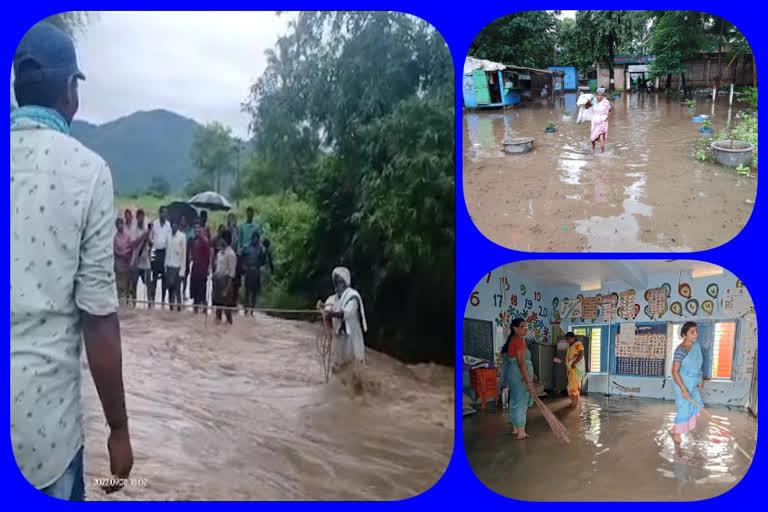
{"type": "Point", "coordinates": [45, 52]}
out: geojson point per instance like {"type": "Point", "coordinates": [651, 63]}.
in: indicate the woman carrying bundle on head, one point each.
{"type": "Point", "coordinates": [517, 375]}
{"type": "Point", "coordinates": [601, 109]}
{"type": "Point", "coordinates": [686, 371]}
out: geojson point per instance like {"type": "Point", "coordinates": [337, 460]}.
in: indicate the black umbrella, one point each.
{"type": "Point", "coordinates": [179, 209]}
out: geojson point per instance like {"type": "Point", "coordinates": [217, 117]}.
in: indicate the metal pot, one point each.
{"type": "Point", "coordinates": [518, 144]}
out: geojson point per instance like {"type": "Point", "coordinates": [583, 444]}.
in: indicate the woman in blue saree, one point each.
{"type": "Point", "coordinates": [687, 373]}
{"type": "Point", "coordinates": [517, 376]}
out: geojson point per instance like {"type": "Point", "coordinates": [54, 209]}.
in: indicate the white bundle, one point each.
{"type": "Point", "coordinates": [583, 99]}
{"type": "Point", "coordinates": [585, 114]}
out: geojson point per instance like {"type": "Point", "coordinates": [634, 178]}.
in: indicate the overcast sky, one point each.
{"type": "Point", "coordinates": [198, 64]}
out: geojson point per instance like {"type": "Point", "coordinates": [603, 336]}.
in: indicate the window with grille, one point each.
{"type": "Point", "coordinates": [595, 336]}
{"type": "Point", "coordinates": [721, 352]}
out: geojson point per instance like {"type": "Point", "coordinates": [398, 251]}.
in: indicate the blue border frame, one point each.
{"type": "Point", "coordinates": [475, 254]}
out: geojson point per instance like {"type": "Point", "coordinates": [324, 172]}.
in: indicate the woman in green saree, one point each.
{"type": "Point", "coordinates": [517, 376]}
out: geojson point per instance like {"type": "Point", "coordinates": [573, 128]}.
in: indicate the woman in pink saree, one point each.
{"type": "Point", "coordinates": [600, 112]}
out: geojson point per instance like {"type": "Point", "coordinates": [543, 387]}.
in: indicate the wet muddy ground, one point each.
{"type": "Point", "coordinates": [619, 450]}
{"type": "Point", "coordinates": [243, 413]}
{"type": "Point", "coordinates": [646, 193]}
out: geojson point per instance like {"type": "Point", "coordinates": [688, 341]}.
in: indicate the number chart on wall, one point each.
{"type": "Point", "coordinates": [643, 351]}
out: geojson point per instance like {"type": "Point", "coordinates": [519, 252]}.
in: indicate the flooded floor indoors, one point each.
{"type": "Point", "coordinates": [619, 450]}
{"type": "Point", "coordinates": [244, 413]}
{"type": "Point", "coordinates": [646, 193]}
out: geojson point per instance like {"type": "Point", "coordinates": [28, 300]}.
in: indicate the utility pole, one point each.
{"type": "Point", "coordinates": [238, 144]}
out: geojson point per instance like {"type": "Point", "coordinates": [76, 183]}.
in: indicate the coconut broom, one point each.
{"type": "Point", "coordinates": [712, 418]}
{"type": "Point", "coordinates": [557, 428]}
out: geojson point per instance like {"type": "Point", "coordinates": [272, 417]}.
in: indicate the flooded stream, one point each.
{"type": "Point", "coordinates": [243, 413]}
{"type": "Point", "coordinates": [645, 193]}
{"type": "Point", "coordinates": [620, 450]}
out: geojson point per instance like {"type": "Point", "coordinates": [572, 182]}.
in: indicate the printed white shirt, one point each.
{"type": "Point", "coordinates": [62, 263]}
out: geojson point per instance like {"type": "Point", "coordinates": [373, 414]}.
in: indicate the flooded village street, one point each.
{"type": "Point", "coordinates": [647, 192]}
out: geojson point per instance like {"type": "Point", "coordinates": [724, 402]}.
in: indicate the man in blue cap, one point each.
{"type": "Point", "coordinates": [62, 275]}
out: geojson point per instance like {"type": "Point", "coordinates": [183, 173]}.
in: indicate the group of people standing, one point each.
{"type": "Point", "coordinates": [182, 256]}
{"type": "Point", "coordinates": [517, 377]}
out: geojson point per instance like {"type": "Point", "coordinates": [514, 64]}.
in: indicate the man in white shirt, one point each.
{"type": "Point", "coordinates": [62, 275]}
{"type": "Point", "coordinates": [161, 232]}
{"type": "Point", "coordinates": [175, 264]}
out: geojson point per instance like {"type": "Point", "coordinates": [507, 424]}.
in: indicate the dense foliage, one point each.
{"type": "Point", "coordinates": [540, 39]}
{"type": "Point", "coordinates": [572, 44]}
{"type": "Point", "coordinates": [213, 151]}
{"type": "Point", "coordinates": [353, 124]}
{"type": "Point", "coordinates": [521, 39]}
{"type": "Point", "coordinates": [605, 34]}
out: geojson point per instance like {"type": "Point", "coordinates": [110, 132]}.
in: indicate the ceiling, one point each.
{"type": "Point", "coordinates": [579, 272]}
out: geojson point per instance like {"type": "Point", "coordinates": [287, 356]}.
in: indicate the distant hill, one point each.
{"type": "Point", "coordinates": [142, 145]}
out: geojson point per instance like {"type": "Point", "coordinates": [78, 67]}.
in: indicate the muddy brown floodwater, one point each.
{"type": "Point", "coordinates": [243, 413]}
{"type": "Point", "coordinates": [620, 450]}
{"type": "Point", "coordinates": [645, 193]}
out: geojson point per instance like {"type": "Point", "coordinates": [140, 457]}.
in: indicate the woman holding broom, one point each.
{"type": "Point", "coordinates": [686, 371]}
{"type": "Point", "coordinates": [517, 375]}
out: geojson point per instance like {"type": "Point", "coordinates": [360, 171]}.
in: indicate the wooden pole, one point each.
{"type": "Point", "coordinates": [709, 415]}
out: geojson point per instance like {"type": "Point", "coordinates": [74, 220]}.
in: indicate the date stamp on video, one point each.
{"type": "Point", "coordinates": [120, 482]}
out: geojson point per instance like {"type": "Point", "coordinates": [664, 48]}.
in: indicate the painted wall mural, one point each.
{"type": "Point", "coordinates": [671, 298]}
{"type": "Point", "coordinates": [502, 296]}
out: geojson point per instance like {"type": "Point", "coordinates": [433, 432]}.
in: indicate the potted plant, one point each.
{"type": "Point", "coordinates": [691, 105]}
{"type": "Point", "coordinates": [550, 127]}
{"type": "Point", "coordinates": [706, 127]}
{"type": "Point", "coordinates": [732, 153]}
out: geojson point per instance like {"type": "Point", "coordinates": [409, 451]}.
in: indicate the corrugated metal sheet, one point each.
{"type": "Point", "coordinates": [472, 64]}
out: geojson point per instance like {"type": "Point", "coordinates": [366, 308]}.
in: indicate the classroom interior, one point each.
{"type": "Point", "coordinates": [619, 445]}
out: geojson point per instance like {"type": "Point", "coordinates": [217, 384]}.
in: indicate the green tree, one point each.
{"type": "Point", "coordinates": [676, 37]}
{"type": "Point", "coordinates": [573, 47]}
{"type": "Point", "coordinates": [521, 39]}
{"type": "Point", "coordinates": [213, 153]}
{"type": "Point", "coordinates": [607, 33]}
{"type": "Point", "coordinates": [731, 44]}
{"type": "Point", "coordinates": [354, 114]}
